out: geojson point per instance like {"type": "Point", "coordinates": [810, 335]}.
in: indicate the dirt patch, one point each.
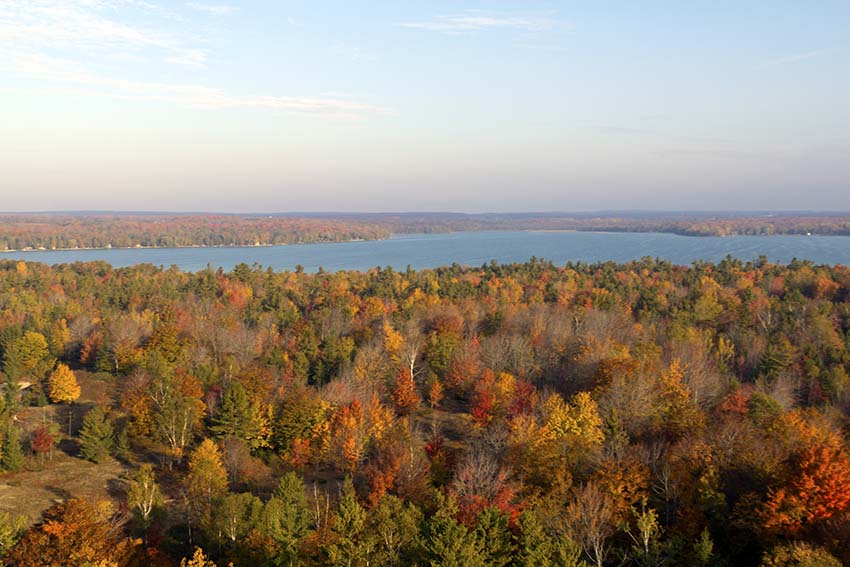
{"type": "Point", "coordinates": [31, 492]}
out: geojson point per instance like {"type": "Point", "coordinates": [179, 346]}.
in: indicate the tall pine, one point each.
{"type": "Point", "coordinates": [96, 435]}
{"type": "Point", "coordinates": [238, 416]}
{"type": "Point", "coordinates": [448, 543]}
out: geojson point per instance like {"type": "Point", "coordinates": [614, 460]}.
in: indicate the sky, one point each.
{"type": "Point", "coordinates": [280, 106]}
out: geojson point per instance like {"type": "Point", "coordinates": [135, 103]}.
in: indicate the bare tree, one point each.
{"type": "Point", "coordinates": [591, 522]}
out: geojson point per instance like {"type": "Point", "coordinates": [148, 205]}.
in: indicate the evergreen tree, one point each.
{"type": "Point", "coordinates": [96, 435]}
{"type": "Point", "coordinates": [238, 416]}
{"type": "Point", "coordinates": [534, 547]}
{"type": "Point", "coordinates": [13, 455]}
{"type": "Point", "coordinates": [28, 358]}
{"type": "Point", "coordinates": [494, 538]}
{"type": "Point", "coordinates": [350, 543]}
{"type": "Point", "coordinates": [11, 529]}
{"type": "Point", "coordinates": [448, 543]}
{"type": "Point", "coordinates": [286, 517]}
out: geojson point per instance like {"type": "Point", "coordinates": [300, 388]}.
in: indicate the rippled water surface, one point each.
{"type": "Point", "coordinates": [472, 248]}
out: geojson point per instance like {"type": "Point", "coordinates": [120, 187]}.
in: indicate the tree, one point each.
{"type": "Point", "coordinates": [239, 417]}
{"type": "Point", "coordinates": [143, 496]}
{"type": "Point", "coordinates": [495, 541]}
{"type": "Point", "coordinates": [177, 410]}
{"type": "Point", "coordinates": [207, 477]}
{"type": "Point", "coordinates": [535, 548]}
{"type": "Point", "coordinates": [76, 532]}
{"type": "Point", "coordinates": [350, 543]}
{"type": "Point", "coordinates": [12, 458]}
{"type": "Point", "coordinates": [448, 543]}
{"type": "Point", "coordinates": [28, 358]}
{"type": "Point", "coordinates": [818, 489]}
{"type": "Point", "coordinates": [405, 396]}
{"type": "Point", "coordinates": [43, 441]}
{"type": "Point", "coordinates": [235, 515]}
{"type": "Point", "coordinates": [198, 560]}
{"type": "Point", "coordinates": [395, 526]}
{"type": "Point", "coordinates": [11, 530]}
{"type": "Point", "coordinates": [63, 386]}
{"type": "Point", "coordinates": [96, 435]}
{"type": "Point", "coordinates": [286, 517]}
{"type": "Point", "coordinates": [799, 554]}
{"type": "Point", "coordinates": [591, 521]}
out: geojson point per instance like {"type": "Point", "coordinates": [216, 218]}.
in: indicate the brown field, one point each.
{"type": "Point", "coordinates": [40, 485]}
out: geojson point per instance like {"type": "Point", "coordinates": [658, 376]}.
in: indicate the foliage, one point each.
{"type": "Point", "coordinates": [63, 386]}
{"type": "Point", "coordinates": [76, 532]}
{"type": "Point", "coordinates": [799, 555]}
{"type": "Point", "coordinates": [640, 413]}
{"type": "Point", "coordinates": [97, 436]}
{"type": "Point", "coordinates": [143, 495]}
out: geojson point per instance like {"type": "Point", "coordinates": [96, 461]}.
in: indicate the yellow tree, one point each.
{"type": "Point", "coordinates": [207, 478]}
{"type": "Point", "coordinates": [198, 560]}
{"type": "Point", "coordinates": [63, 385]}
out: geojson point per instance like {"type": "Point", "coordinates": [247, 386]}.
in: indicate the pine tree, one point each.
{"type": "Point", "coordinates": [63, 386]}
{"type": "Point", "coordinates": [448, 543]}
{"type": "Point", "coordinates": [286, 516]}
{"type": "Point", "coordinates": [28, 358]}
{"type": "Point", "coordinates": [11, 529]}
{"type": "Point", "coordinates": [13, 455]}
{"type": "Point", "coordinates": [238, 416]}
{"type": "Point", "coordinates": [350, 544]}
{"type": "Point", "coordinates": [494, 537]}
{"type": "Point", "coordinates": [534, 547]}
{"type": "Point", "coordinates": [96, 435]}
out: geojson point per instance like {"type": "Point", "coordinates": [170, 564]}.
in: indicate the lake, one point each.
{"type": "Point", "coordinates": [471, 248]}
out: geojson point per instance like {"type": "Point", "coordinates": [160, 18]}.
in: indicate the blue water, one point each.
{"type": "Point", "coordinates": [472, 248]}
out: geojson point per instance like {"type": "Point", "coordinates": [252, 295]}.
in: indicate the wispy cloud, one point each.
{"type": "Point", "coordinates": [796, 57]}
{"type": "Point", "coordinates": [77, 79]}
{"type": "Point", "coordinates": [476, 21]}
{"type": "Point", "coordinates": [190, 58]}
{"type": "Point", "coordinates": [59, 44]}
{"type": "Point", "coordinates": [85, 26]}
{"type": "Point", "coordinates": [212, 9]}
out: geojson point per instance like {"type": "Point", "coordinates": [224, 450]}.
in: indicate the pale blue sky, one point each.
{"type": "Point", "coordinates": [402, 105]}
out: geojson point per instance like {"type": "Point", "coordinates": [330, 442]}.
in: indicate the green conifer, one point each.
{"type": "Point", "coordinates": [96, 435]}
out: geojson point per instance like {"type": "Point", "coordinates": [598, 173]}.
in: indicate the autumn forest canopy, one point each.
{"type": "Point", "coordinates": [528, 414]}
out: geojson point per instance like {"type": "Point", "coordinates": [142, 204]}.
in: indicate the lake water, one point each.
{"type": "Point", "coordinates": [472, 248]}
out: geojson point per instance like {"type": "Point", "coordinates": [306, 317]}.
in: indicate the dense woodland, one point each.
{"type": "Point", "coordinates": [61, 231]}
{"type": "Point", "coordinates": [532, 415]}
{"type": "Point", "coordinates": [124, 230]}
{"type": "Point", "coordinates": [686, 224]}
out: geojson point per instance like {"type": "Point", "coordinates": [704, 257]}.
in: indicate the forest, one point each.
{"type": "Point", "coordinates": [124, 230]}
{"type": "Point", "coordinates": [54, 231]}
{"type": "Point", "coordinates": [529, 414]}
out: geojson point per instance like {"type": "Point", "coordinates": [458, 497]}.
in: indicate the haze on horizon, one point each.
{"type": "Point", "coordinates": [241, 106]}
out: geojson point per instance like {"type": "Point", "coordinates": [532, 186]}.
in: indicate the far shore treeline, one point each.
{"type": "Point", "coordinates": [54, 231]}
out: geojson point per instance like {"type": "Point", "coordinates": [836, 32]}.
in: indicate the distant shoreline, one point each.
{"type": "Point", "coordinates": [396, 234]}
{"type": "Point", "coordinates": [199, 246]}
